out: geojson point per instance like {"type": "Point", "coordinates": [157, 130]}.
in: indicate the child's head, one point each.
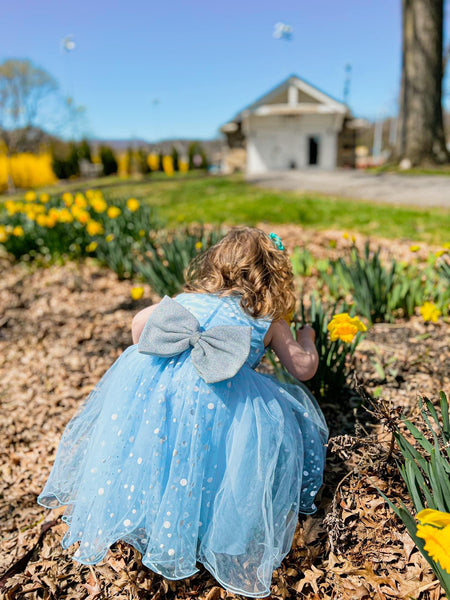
{"type": "Point", "coordinates": [246, 262]}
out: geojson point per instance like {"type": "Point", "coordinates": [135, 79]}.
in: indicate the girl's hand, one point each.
{"type": "Point", "coordinates": [306, 332]}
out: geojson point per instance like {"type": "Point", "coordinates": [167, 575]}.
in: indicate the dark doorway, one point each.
{"type": "Point", "coordinates": [313, 150]}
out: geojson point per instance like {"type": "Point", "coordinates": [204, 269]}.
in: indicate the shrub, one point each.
{"type": "Point", "coordinates": [108, 160]}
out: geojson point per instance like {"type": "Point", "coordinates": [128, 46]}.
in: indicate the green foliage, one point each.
{"type": "Point", "coordinates": [302, 261]}
{"type": "Point", "coordinates": [65, 161]}
{"type": "Point", "coordinates": [444, 271]}
{"type": "Point", "coordinates": [84, 151]}
{"type": "Point", "coordinates": [426, 471]}
{"type": "Point", "coordinates": [370, 283]}
{"type": "Point", "coordinates": [142, 163]}
{"type": "Point", "coordinates": [175, 158]}
{"type": "Point", "coordinates": [333, 370]}
{"type": "Point", "coordinates": [108, 160]}
{"type": "Point", "coordinates": [168, 254]}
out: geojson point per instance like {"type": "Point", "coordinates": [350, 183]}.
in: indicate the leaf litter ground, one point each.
{"type": "Point", "coordinates": [62, 327]}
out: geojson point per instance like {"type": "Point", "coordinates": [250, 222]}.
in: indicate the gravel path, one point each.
{"type": "Point", "coordinates": [413, 190]}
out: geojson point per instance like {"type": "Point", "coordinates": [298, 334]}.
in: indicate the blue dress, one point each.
{"type": "Point", "coordinates": [187, 471]}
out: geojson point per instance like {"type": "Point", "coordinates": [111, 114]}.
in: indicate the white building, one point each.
{"type": "Point", "coordinates": [294, 126]}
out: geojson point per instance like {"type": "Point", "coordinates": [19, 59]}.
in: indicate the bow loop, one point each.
{"type": "Point", "coordinates": [217, 353]}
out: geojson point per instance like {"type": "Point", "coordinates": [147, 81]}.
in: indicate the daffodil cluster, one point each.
{"type": "Point", "coordinates": [26, 170]}
{"type": "Point", "coordinates": [70, 224]}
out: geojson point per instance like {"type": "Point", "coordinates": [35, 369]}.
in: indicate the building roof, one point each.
{"type": "Point", "coordinates": [278, 101]}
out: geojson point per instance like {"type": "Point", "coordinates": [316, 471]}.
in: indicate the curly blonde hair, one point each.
{"type": "Point", "coordinates": [246, 262]}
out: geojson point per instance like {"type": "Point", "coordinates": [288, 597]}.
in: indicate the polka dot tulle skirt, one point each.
{"type": "Point", "coordinates": [189, 472]}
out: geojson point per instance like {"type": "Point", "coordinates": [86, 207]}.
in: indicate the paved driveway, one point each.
{"type": "Point", "coordinates": [413, 190]}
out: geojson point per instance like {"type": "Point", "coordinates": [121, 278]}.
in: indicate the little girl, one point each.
{"type": "Point", "coordinates": [185, 451]}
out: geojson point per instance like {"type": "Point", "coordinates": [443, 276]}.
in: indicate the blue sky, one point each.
{"type": "Point", "coordinates": [204, 60]}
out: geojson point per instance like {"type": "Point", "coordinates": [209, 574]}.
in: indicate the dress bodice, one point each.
{"type": "Point", "coordinates": [212, 310]}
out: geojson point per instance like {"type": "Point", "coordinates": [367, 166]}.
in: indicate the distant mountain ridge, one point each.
{"type": "Point", "coordinates": [165, 146]}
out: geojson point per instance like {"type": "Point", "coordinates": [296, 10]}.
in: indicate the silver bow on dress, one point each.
{"type": "Point", "coordinates": [217, 353]}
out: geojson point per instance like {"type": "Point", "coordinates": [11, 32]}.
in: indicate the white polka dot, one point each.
{"type": "Point", "coordinates": [168, 513]}
{"type": "Point", "coordinates": [139, 460]}
{"type": "Point", "coordinates": [175, 452]}
{"type": "Point", "coordinates": [111, 514]}
{"type": "Point", "coordinates": [171, 552]}
{"type": "Point", "coordinates": [86, 544]}
{"type": "Point", "coordinates": [109, 482]}
{"type": "Point", "coordinates": [114, 417]}
{"type": "Point", "coordinates": [166, 524]}
{"type": "Point", "coordinates": [156, 430]}
{"type": "Point", "coordinates": [101, 491]}
{"type": "Point", "coordinates": [130, 455]}
{"type": "Point", "coordinates": [161, 545]}
{"type": "Point", "coordinates": [209, 479]}
{"type": "Point", "coordinates": [132, 488]}
{"type": "Point", "coordinates": [183, 482]}
{"type": "Point", "coordinates": [210, 406]}
{"type": "Point", "coordinates": [127, 522]}
{"type": "Point", "coordinates": [99, 532]}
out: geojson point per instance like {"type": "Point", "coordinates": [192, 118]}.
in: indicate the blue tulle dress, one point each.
{"type": "Point", "coordinates": [187, 471]}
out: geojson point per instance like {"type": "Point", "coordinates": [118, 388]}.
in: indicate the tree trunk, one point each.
{"type": "Point", "coordinates": [421, 137]}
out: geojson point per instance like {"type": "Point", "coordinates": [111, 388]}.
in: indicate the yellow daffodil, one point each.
{"type": "Point", "coordinates": [343, 327]}
{"type": "Point", "coordinates": [430, 312]}
{"type": "Point", "coordinates": [446, 246]}
{"type": "Point", "coordinates": [113, 212]}
{"type": "Point", "coordinates": [133, 204]}
{"type": "Point", "coordinates": [80, 201]}
{"type": "Point", "coordinates": [18, 231]}
{"type": "Point", "coordinates": [67, 199]}
{"type": "Point", "coordinates": [414, 248]}
{"type": "Point", "coordinates": [99, 205]}
{"type": "Point", "coordinates": [168, 165]}
{"type": "Point", "coordinates": [346, 236]}
{"type": "Point", "coordinates": [91, 247]}
{"type": "Point", "coordinates": [94, 228]}
{"type": "Point", "coordinates": [3, 234]}
{"type": "Point", "coordinates": [137, 293]}
{"type": "Point", "coordinates": [109, 237]}
{"type": "Point", "coordinates": [90, 194]}
{"type": "Point", "coordinates": [434, 528]}
{"type": "Point", "coordinates": [44, 198]}
{"type": "Point", "coordinates": [440, 253]}
{"type": "Point", "coordinates": [30, 196]}
{"type": "Point", "coordinates": [141, 232]}
{"type": "Point", "coordinates": [41, 220]}
{"type": "Point", "coordinates": [65, 216]}
{"type": "Point", "coordinates": [198, 245]}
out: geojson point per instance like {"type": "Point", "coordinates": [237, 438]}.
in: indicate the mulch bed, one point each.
{"type": "Point", "coordinates": [62, 327]}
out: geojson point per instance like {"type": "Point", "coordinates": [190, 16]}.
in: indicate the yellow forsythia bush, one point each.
{"type": "Point", "coordinates": [27, 170]}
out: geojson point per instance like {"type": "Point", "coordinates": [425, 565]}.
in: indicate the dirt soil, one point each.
{"type": "Point", "coordinates": [62, 327]}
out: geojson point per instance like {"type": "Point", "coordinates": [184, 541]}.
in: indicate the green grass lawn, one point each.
{"type": "Point", "coordinates": [216, 199]}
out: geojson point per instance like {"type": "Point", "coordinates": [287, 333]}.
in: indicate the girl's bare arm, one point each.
{"type": "Point", "coordinates": [139, 320]}
{"type": "Point", "coordinates": [299, 357]}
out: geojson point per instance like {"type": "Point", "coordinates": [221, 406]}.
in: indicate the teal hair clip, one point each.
{"type": "Point", "coordinates": [277, 240]}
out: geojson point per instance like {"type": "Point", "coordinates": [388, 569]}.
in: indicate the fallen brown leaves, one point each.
{"type": "Point", "coordinates": [61, 328]}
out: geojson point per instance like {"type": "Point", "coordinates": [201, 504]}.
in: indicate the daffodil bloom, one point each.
{"type": "Point", "coordinates": [198, 245]}
{"type": "Point", "coordinates": [434, 528]}
{"type": "Point", "coordinates": [80, 201]}
{"type": "Point", "coordinates": [183, 166]}
{"type": "Point", "coordinates": [30, 196]}
{"type": "Point", "coordinates": [430, 312]}
{"type": "Point", "coordinates": [99, 205]}
{"type": "Point", "coordinates": [91, 247]}
{"type": "Point", "coordinates": [109, 237]}
{"type": "Point", "coordinates": [67, 198]}
{"type": "Point", "coordinates": [345, 236]}
{"type": "Point", "coordinates": [113, 212]}
{"type": "Point", "coordinates": [3, 234]}
{"type": "Point", "coordinates": [89, 195]}
{"type": "Point", "coordinates": [44, 198]}
{"type": "Point", "coordinates": [343, 327]}
{"type": "Point", "coordinates": [18, 231]}
{"type": "Point", "coordinates": [141, 232]}
{"type": "Point", "coordinates": [414, 248]}
{"type": "Point", "coordinates": [137, 293]}
{"type": "Point", "coordinates": [41, 220]}
{"type": "Point", "coordinates": [439, 253]}
{"type": "Point", "coordinates": [133, 204]}
{"type": "Point", "coordinates": [446, 246]}
{"type": "Point", "coordinates": [94, 228]}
